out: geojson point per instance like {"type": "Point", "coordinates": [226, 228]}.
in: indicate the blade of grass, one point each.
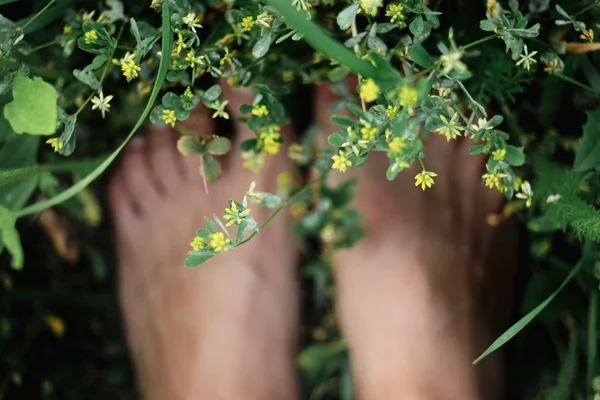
{"type": "Point", "coordinates": [320, 41]}
{"type": "Point", "coordinates": [522, 323]}
{"type": "Point", "coordinates": [591, 337]}
{"type": "Point", "coordinates": [12, 175]}
{"type": "Point", "coordinates": [165, 62]}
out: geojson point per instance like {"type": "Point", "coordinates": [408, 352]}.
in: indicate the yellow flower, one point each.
{"type": "Point", "coordinates": [220, 110]}
{"type": "Point", "coordinates": [260, 110]}
{"type": "Point", "coordinates": [67, 29]}
{"type": "Point", "coordinates": [169, 117]}
{"type": "Point", "coordinates": [90, 37]}
{"type": "Point", "coordinates": [527, 58]}
{"type": "Point", "coordinates": [451, 62]}
{"type": "Point", "coordinates": [369, 90]}
{"type": "Point", "coordinates": [495, 179]}
{"type": "Point", "coordinates": [253, 161]}
{"type": "Point", "coordinates": [450, 129]}
{"type": "Point", "coordinates": [188, 93]}
{"type": "Point", "coordinates": [394, 11]}
{"type": "Point", "coordinates": [340, 162]}
{"type": "Point", "coordinates": [408, 96]}
{"type": "Point", "coordinates": [192, 21]}
{"type": "Point", "coordinates": [179, 45]}
{"type": "Point", "coordinates": [197, 243]}
{"type": "Point", "coordinates": [397, 144]}
{"type": "Point", "coordinates": [425, 179]}
{"type": "Point", "coordinates": [56, 144]}
{"type": "Point", "coordinates": [391, 111]}
{"type": "Point", "coordinates": [219, 242]}
{"type": "Point", "coordinates": [370, 6]}
{"type": "Point", "coordinates": [233, 214]}
{"type": "Point", "coordinates": [264, 19]}
{"type": "Point", "coordinates": [269, 138]}
{"type": "Point", "coordinates": [368, 132]}
{"type": "Point", "coordinates": [130, 69]}
{"type": "Point", "coordinates": [56, 325]}
{"type": "Point", "coordinates": [499, 154]}
{"type": "Point", "coordinates": [248, 23]}
{"type": "Point", "coordinates": [526, 193]}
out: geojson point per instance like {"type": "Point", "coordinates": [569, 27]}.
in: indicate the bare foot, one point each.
{"type": "Point", "coordinates": [408, 293]}
{"type": "Point", "coordinates": [227, 329]}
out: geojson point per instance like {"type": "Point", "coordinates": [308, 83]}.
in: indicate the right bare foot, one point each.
{"type": "Point", "coordinates": [227, 329]}
{"type": "Point", "coordinates": [408, 292]}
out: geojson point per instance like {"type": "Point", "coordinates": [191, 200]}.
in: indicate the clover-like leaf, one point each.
{"type": "Point", "coordinates": [33, 109]}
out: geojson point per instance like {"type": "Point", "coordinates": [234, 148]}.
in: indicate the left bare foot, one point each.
{"type": "Point", "coordinates": [227, 329]}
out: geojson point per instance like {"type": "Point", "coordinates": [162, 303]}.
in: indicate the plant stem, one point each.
{"type": "Point", "coordinates": [30, 20]}
{"type": "Point", "coordinates": [354, 33]}
{"type": "Point", "coordinates": [574, 82]}
{"type": "Point", "coordinates": [282, 206]}
{"type": "Point", "coordinates": [42, 46]}
{"type": "Point", "coordinates": [478, 42]}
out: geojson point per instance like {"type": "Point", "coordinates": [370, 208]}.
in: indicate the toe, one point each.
{"type": "Point", "coordinates": [121, 203]}
{"type": "Point", "coordinates": [163, 157]}
{"type": "Point", "coordinates": [137, 177]}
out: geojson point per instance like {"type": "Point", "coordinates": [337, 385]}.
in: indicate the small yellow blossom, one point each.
{"type": "Point", "coordinates": [368, 132]}
{"type": "Point", "coordinates": [220, 110]}
{"type": "Point", "coordinates": [130, 69]}
{"type": "Point", "coordinates": [527, 58]}
{"type": "Point", "coordinates": [67, 29]}
{"type": "Point", "coordinates": [391, 111]}
{"type": "Point", "coordinates": [253, 160]}
{"type": "Point", "coordinates": [219, 242]}
{"type": "Point", "coordinates": [495, 179]}
{"type": "Point", "coordinates": [397, 144]}
{"type": "Point", "coordinates": [270, 139]}
{"type": "Point", "coordinates": [264, 19]}
{"type": "Point", "coordinates": [188, 93]}
{"type": "Point", "coordinates": [394, 11]}
{"type": "Point", "coordinates": [192, 21]}
{"type": "Point", "coordinates": [56, 144]}
{"type": "Point", "coordinates": [587, 35]}
{"type": "Point", "coordinates": [179, 44]}
{"type": "Point", "coordinates": [451, 129]}
{"type": "Point", "coordinates": [526, 193]}
{"type": "Point", "coordinates": [90, 37]}
{"type": "Point", "coordinates": [481, 124]}
{"type": "Point", "coordinates": [234, 215]}
{"type": "Point", "coordinates": [169, 117]}
{"type": "Point", "coordinates": [370, 6]}
{"type": "Point", "coordinates": [408, 96]}
{"type": "Point", "coordinates": [197, 243]}
{"type": "Point", "coordinates": [260, 110]}
{"type": "Point", "coordinates": [369, 90]}
{"type": "Point", "coordinates": [499, 154]}
{"type": "Point", "coordinates": [425, 179]}
{"type": "Point", "coordinates": [451, 62]}
{"type": "Point", "coordinates": [340, 162]}
{"type": "Point", "coordinates": [102, 103]}
{"type": "Point", "coordinates": [248, 23]}
{"type": "Point", "coordinates": [56, 325]}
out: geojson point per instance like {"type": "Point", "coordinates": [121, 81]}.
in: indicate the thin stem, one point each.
{"type": "Point", "coordinates": [38, 14]}
{"type": "Point", "coordinates": [42, 46]}
{"type": "Point", "coordinates": [282, 206]}
{"type": "Point", "coordinates": [354, 33]}
{"type": "Point", "coordinates": [589, 7]}
{"type": "Point", "coordinates": [478, 42]}
{"type": "Point", "coordinates": [574, 82]}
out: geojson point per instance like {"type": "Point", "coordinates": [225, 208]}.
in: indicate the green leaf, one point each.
{"type": "Point", "coordinates": [588, 151]}
{"type": "Point", "coordinates": [241, 231]}
{"type": "Point", "coordinates": [212, 93]}
{"type": "Point", "coordinates": [346, 17]}
{"type": "Point", "coordinates": [195, 258]}
{"type": "Point", "coordinates": [218, 146]}
{"type": "Point", "coordinates": [262, 46]}
{"type": "Point", "coordinates": [88, 78]}
{"type": "Point", "coordinates": [165, 62]}
{"type": "Point", "coordinates": [434, 106]}
{"type": "Point", "coordinates": [417, 26]}
{"type": "Point", "coordinates": [211, 169]}
{"type": "Point", "coordinates": [10, 237]}
{"type": "Point", "coordinates": [171, 101]}
{"type": "Point", "coordinates": [420, 56]}
{"type": "Point", "coordinates": [523, 322]}
{"type": "Point", "coordinates": [514, 156]}
{"type": "Point", "coordinates": [320, 41]}
{"type": "Point", "coordinates": [337, 139]}
{"type": "Point", "coordinates": [212, 228]}
{"type": "Point", "coordinates": [33, 109]}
